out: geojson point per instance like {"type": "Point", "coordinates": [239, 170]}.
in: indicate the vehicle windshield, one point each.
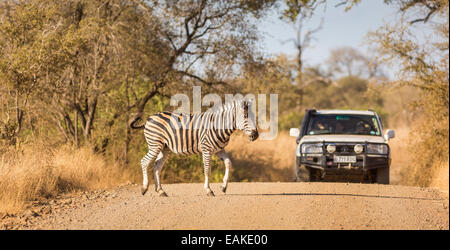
{"type": "Point", "coordinates": [348, 124]}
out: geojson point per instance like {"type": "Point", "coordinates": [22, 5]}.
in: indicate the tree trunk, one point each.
{"type": "Point", "coordinates": [127, 128]}
{"type": "Point", "coordinates": [90, 118]}
{"type": "Point", "coordinates": [19, 114]}
{"type": "Point", "coordinates": [76, 129]}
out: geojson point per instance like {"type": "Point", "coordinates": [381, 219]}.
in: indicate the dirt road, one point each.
{"type": "Point", "coordinates": [245, 206]}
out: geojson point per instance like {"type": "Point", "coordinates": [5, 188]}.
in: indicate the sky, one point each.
{"type": "Point", "coordinates": [339, 28]}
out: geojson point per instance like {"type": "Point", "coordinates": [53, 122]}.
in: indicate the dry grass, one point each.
{"type": "Point", "coordinates": [440, 179]}
{"type": "Point", "coordinates": [262, 160]}
{"type": "Point", "coordinates": [401, 157]}
{"type": "Point", "coordinates": [405, 171]}
{"type": "Point", "coordinates": [37, 172]}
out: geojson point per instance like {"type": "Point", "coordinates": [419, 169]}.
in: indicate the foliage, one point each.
{"type": "Point", "coordinates": [424, 66]}
{"type": "Point", "coordinates": [87, 65]}
{"type": "Point", "coordinates": [348, 61]}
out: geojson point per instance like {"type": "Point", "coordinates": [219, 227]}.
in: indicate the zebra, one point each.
{"type": "Point", "coordinates": [204, 133]}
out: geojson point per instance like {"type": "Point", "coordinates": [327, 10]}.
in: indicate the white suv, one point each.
{"type": "Point", "coordinates": [342, 142]}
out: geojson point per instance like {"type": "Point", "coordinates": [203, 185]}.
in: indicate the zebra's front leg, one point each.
{"type": "Point", "coordinates": [226, 160]}
{"type": "Point", "coordinates": [206, 164]}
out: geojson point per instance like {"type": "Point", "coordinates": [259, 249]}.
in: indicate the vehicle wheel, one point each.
{"type": "Point", "coordinates": [371, 176]}
{"type": "Point", "coordinates": [303, 174]}
{"type": "Point", "coordinates": [382, 176]}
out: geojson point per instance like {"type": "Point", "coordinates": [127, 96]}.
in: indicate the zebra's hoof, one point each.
{"type": "Point", "coordinates": [210, 193]}
{"type": "Point", "coordinates": [163, 194]}
{"type": "Point", "coordinates": [223, 188]}
{"type": "Point", "coordinates": [143, 190]}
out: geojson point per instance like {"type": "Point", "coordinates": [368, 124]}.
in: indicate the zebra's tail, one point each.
{"type": "Point", "coordinates": [133, 122]}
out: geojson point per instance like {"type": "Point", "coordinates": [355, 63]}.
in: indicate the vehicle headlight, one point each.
{"type": "Point", "coordinates": [358, 148]}
{"type": "Point", "coordinates": [331, 148]}
{"type": "Point", "coordinates": [377, 149]}
{"type": "Point", "coordinates": [311, 148]}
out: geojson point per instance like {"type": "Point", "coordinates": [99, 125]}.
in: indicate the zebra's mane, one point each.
{"type": "Point", "coordinates": [225, 107]}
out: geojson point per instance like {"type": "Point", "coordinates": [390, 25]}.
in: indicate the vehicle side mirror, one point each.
{"type": "Point", "coordinates": [294, 132]}
{"type": "Point", "coordinates": [389, 134]}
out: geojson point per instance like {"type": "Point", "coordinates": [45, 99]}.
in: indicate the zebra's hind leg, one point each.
{"type": "Point", "coordinates": [159, 163]}
{"type": "Point", "coordinates": [226, 160]}
{"type": "Point", "coordinates": [146, 160]}
{"type": "Point", "coordinates": [206, 164]}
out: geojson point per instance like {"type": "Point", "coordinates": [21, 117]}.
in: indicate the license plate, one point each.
{"type": "Point", "coordinates": [344, 159]}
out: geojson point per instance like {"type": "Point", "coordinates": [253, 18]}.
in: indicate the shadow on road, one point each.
{"type": "Point", "coordinates": [337, 194]}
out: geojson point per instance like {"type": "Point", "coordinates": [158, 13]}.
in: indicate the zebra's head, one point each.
{"type": "Point", "coordinates": [245, 119]}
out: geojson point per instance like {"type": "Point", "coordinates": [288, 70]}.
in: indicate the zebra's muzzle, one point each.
{"type": "Point", "coordinates": [254, 135]}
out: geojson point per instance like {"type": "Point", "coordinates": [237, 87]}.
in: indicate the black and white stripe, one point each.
{"type": "Point", "coordinates": [206, 133]}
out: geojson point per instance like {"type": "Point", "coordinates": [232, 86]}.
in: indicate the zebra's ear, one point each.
{"type": "Point", "coordinates": [248, 102]}
{"type": "Point", "coordinates": [245, 104]}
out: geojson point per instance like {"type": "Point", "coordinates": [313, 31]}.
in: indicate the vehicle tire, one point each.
{"type": "Point", "coordinates": [302, 174]}
{"type": "Point", "coordinates": [382, 175]}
